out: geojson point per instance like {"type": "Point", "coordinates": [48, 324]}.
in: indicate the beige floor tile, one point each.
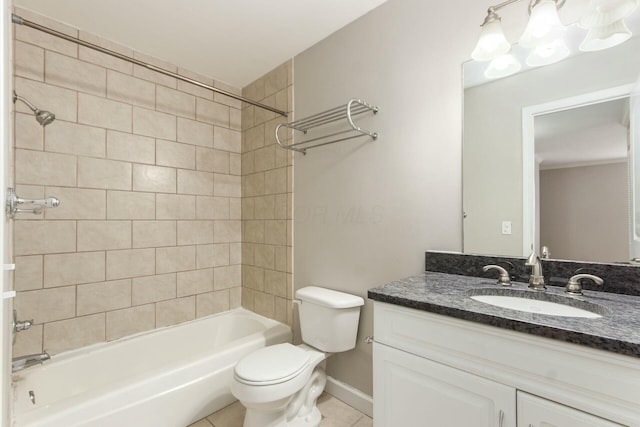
{"type": "Point", "coordinates": [231, 416]}
{"type": "Point", "coordinates": [202, 423]}
{"type": "Point", "coordinates": [336, 413]}
{"type": "Point", "coordinates": [364, 422]}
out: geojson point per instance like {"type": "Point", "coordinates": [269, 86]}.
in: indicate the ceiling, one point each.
{"type": "Point", "coordinates": [232, 41]}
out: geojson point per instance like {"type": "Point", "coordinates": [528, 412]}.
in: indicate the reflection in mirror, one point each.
{"type": "Point", "coordinates": [501, 194]}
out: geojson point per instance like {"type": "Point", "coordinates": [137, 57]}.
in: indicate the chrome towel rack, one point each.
{"type": "Point", "coordinates": [344, 112]}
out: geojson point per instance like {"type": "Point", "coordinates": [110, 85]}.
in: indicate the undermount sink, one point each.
{"type": "Point", "coordinates": [537, 302]}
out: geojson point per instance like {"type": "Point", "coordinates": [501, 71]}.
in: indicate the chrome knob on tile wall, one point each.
{"type": "Point", "coordinates": [13, 201]}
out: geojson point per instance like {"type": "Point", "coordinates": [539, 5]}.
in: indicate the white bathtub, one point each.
{"type": "Point", "coordinates": [168, 377]}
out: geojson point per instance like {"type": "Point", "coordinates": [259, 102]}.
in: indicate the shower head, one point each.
{"type": "Point", "coordinates": [42, 116]}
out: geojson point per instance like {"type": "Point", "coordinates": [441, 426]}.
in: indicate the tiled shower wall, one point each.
{"type": "Point", "coordinates": [147, 169]}
{"type": "Point", "coordinates": [267, 191]}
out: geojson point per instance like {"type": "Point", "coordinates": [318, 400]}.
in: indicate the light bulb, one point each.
{"type": "Point", "coordinates": [491, 43]}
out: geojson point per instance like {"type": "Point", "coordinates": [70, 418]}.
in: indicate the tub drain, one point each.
{"type": "Point", "coordinates": [32, 397]}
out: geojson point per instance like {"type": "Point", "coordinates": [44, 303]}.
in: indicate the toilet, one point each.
{"type": "Point", "coordinates": [280, 384]}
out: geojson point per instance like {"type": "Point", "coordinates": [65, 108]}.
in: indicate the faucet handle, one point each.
{"type": "Point", "coordinates": [575, 288]}
{"type": "Point", "coordinates": [503, 278]}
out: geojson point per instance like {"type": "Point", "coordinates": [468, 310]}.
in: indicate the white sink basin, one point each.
{"type": "Point", "coordinates": [535, 306]}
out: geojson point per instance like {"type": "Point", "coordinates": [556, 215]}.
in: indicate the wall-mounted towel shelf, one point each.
{"type": "Point", "coordinates": [342, 113]}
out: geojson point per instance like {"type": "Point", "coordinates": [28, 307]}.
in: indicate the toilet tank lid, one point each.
{"type": "Point", "coordinates": [328, 298]}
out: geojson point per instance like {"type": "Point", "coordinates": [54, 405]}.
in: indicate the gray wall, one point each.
{"type": "Point", "coordinates": [366, 211]}
{"type": "Point", "coordinates": [584, 212]}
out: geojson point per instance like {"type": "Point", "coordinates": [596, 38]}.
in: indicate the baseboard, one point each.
{"type": "Point", "coordinates": [350, 395]}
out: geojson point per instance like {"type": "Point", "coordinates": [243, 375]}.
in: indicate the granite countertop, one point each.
{"type": "Point", "coordinates": [618, 330]}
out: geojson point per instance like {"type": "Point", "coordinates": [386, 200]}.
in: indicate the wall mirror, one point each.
{"type": "Point", "coordinates": [548, 157]}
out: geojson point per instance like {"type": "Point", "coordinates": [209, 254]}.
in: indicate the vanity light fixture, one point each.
{"type": "Point", "coordinates": [544, 24]}
{"type": "Point", "coordinates": [492, 43]}
{"type": "Point", "coordinates": [605, 21]}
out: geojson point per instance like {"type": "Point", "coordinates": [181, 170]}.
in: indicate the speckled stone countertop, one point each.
{"type": "Point", "coordinates": [618, 330]}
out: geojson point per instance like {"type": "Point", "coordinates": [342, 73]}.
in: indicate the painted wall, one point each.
{"type": "Point", "coordinates": [365, 211]}
{"type": "Point", "coordinates": [492, 157]}
{"type": "Point", "coordinates": [584, 212]}
{"type": "Point", "coordinates": [147, 169]}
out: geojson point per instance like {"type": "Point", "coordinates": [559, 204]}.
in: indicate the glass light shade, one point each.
{"type": "Point", "coordinates": [549, 53]}
{"type": "Point", "coordinates": [544, 25]}
{"type": "Point", "coordinates": [502, 66]}
{"type": "Point", "coordinates": [491, 43]}
{"type": "Point", "coordinates": [604, 37]}
{"type": "Point", "coordinates": [604, 12]}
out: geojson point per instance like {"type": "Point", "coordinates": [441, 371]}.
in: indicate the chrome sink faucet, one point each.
{"type": "Point", "coordinates": [536, 280]}
{"type": "Point", "coordinates": [23, 362]}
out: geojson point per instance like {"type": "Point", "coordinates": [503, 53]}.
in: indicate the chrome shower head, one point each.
{"type": "Point", "coordinates": [42, 116]}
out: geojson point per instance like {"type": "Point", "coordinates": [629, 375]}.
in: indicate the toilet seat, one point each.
{"type": "Point", "coordinates": [271, 365]}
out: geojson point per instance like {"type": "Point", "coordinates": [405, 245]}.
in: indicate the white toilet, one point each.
{"type": "Point", "coordinates": [279, 384]}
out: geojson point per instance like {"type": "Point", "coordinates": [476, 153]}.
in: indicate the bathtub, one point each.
{"type": "Point", "coordinates": [168, 377]}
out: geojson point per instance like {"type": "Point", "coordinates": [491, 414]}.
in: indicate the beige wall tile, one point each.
{"type": "Point", "coordinates": [125, 88]}
{"type": "Point", "coordinates": [73, 138]}
{"type": "Point", "coordinates": [254, 138]}
{"type": "Point", "coordinates": [195, 282]}
{"type": "Point", "coordinates": [275, 283]}
{"type": "Point", "coordinates": [175, 154]}
{"type": "Point", "coordinates": [28, 342]}
{"type": "Point", "coordinates": [265, 256]}
{"type": "Point", "coordinates": [153, 234]}
{"type": "Point", "coordinates": [211, 160]}
{"type": "Point", "coordinates": [28, 133]}
{"type": "Point", "coordinates": [248, 208]}
{"type": "Point", "coordinates": [105, 113]}
{"type": "Point", "coordinates": [221, 255]}
{"type": "Point", "coordinates": [275, 181]}
{"type": "Point", "coordinates": [227, 185]}
{"type": "Point", "coordinates": [281, 258]}
{"type": "Point", "coordinates": [195, 232]}
{"type": "Point", "coordinates": [175, 311]}
{"type": "Point", "coordinates": [235, 119]}
{"type": "Point", "coordinates": [108, 174]}
{"type": "Point", "coordinates": [130, 147]}
{"type": "Point", "coordinates": [193, 89]}
{"type": "Point", "coordinates": [235, 298]}
{"type": "Point", "coordinates": [247, 298]}
{"type": "Point", "coordinates": [265, 207]}
{"type": "Point", "coordinates": [28, 273]}
{"type": "Point", "coordinates": [253, 277]}
{"type": "Point", "coordinates": [46, 305]}
{"type": "Point", "coordinates": [253, 231]}
{"type": "Point", "coordinates": [227, 277]}
{"type": "Point", "coordinates": [153, 76]}
{"type": "Point", "coordinates": [235, 164]}
{"type": "Point", "coordinates": [246, 163]}
{"type": "Point", "coordinates": [62, 102]}
{"type": "Point", "coordinates": [61, 70]}
{"type": "Point", "coordinates": [226, 100]}
{"type": "Point", "coordinates": [74, 333]}
{"type": "Point", "coordinates": [153, 123]}
{"type": "Point", "coordinates": [247, 119]}
{"type": "Point", "coordinates": [195, 182]}
{"type": "Point", "coordinates": [175, 206]}
{"type": "Point", "coordinates": [103, 235]}
{"type": "Point", "coordinates": [29, 61]}
{"type": "Point", "coordinates": [196, 133]}
{"type": "Point", "coordinates": [40, 168]}
{"type": "Point", "coordinates": [153, 288]}
{"type": "Point", "coordinates": [235, 208]}
{"type": "Point", "coordinates": [42, 39]}
{"type": "Point", "coordinates": [180, 258]}
{"type": "Point", "coordinates": [212, 207]}
{"type": "Point", "coordinates": [130, 263]}
{"type": "Point", "coordinates": [276, 80]}
{"type": "Point", "coordinates": [264, 304]}
{"type": "Point", "coordinates": [175, 102]}
{"type": "Point", "coordinates": [105, 296]}
{"type": "Point", "coordinates": [44, 237]}
{"type": "Point", "coordinates": [281, 310]}
{"type": "Point", "coordinates": [73, 268]}
{"type": "Point", "coordinates": [130, 321]}
{"type": "Point", "coordinates": [212, 303]}
{"type": "Point", "coordinates": [212, 112]}
{"type": "Point", "coordinates": [253, 185]}
{"type": "Point", "coordinates": [130, 205]}
{"type": "Point", "coordinates": [265, 158]}
{"type": "Point", "coordinates": [77, 203]}
{"type": "Point", "coordinates": [227, 231]}
{"type": "Point", "coordinates": [212, 255]}
{"type": "Point", "coordinates": [154, 179]}
{"type": "Point", "coordinates": [227, 139]}
{"type": "Point", "coordinates": [281, 210]}
{"type": "Point", "coordinates": [275, 232]}
{"type": "Point", "coordinates": [102, 59]}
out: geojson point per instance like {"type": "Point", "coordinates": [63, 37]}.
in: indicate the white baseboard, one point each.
{"type": "Point", "coordinates": [350, 395]}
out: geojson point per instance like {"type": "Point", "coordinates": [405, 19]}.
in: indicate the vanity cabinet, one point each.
{"type": "Point", "coordinates": [435, 370]}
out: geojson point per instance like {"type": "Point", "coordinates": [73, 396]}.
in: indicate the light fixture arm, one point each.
{"type": "Point", "coordinates": [492, 15]}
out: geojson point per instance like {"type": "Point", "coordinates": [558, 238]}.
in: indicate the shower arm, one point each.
{"type": "Point", "coordinates": [16, 19]}
{"type": "Point", "coordinates": [32, 107]}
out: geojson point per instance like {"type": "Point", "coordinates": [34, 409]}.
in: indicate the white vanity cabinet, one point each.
{"type": "Point", "coordinates": [435, 370]}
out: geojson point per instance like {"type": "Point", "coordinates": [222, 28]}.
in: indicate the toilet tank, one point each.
{"type": "Point", "coordinates": [328, 319]}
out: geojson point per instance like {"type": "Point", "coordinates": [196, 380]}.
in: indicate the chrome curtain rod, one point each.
{"type": "Point", "coordinates": [21, 21]}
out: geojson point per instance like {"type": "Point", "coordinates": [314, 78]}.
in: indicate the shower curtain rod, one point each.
{"type": "Point", "coordinates": [21, 21]}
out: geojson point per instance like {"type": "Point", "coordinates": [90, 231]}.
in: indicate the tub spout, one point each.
{"type": "Point", "coordinates": [23, 362]}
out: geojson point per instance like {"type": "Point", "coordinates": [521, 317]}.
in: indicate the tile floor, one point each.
{"type": "Point", "coordinates": [335, 413]}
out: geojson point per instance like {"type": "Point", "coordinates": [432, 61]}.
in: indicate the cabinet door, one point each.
{"type": "Point", "coordinates": [536, 412]}
{"type": "Point", "coordinates": [411, 391]}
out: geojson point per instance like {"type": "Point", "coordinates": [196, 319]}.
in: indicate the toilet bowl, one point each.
{"type": "Point", "coordinates": [280, 384]}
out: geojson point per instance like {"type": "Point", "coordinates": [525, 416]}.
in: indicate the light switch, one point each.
{"type": "Point", "coordinates": [506, 227]}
